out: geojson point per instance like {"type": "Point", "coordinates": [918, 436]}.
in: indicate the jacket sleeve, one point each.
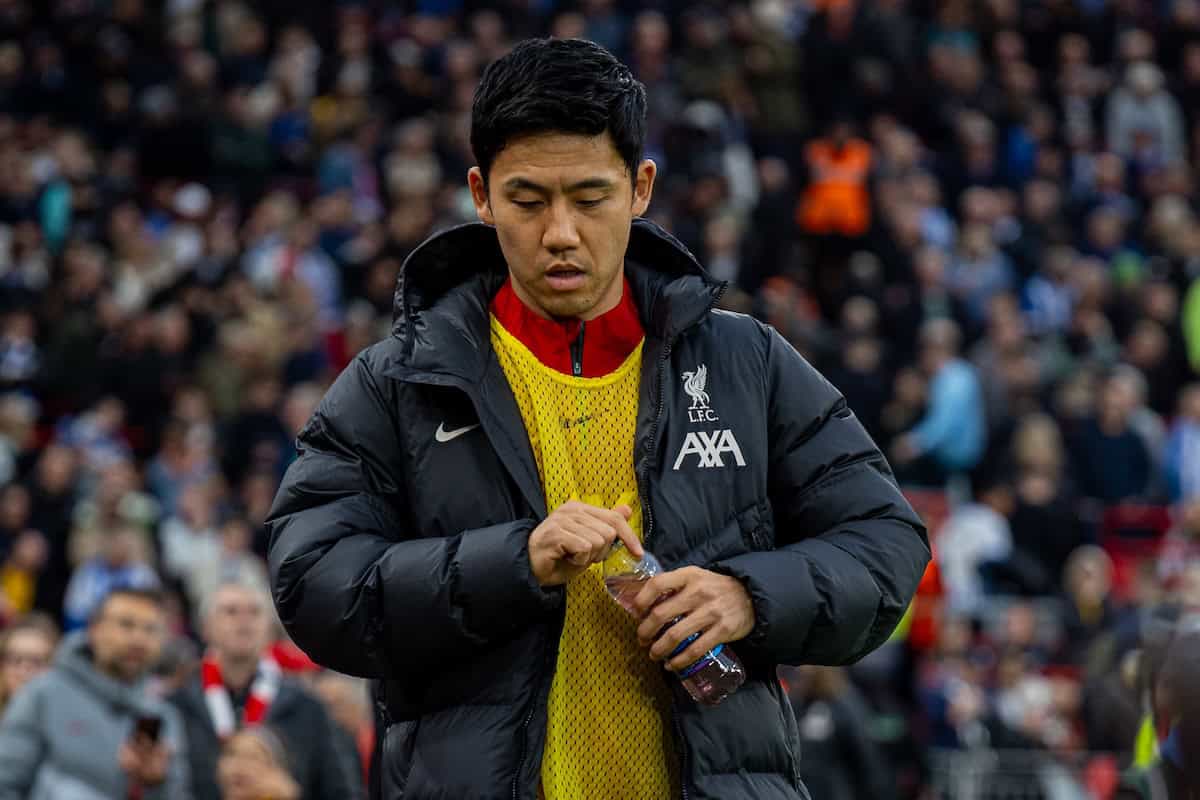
{"type": "Point", "coordinates": [22, 746]}
{"type": "Point", "coordinates": [849, 548]}
{"type": "Point", "coordinates": [354, 584]}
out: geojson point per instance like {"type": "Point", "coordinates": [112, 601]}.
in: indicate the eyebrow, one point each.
{"type": "Point", "coordinates": [517, 184]}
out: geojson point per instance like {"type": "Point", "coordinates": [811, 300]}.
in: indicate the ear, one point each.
{"type": "Point", "coordinates": [479, 195]}
{"type": "Point", "coordinates": [643, 186]}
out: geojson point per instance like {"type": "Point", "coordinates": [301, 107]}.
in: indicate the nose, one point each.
{"type": "Point", "coordinates": [560, 234]}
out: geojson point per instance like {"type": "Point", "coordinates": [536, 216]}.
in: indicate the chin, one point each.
{"type": "Point", "coordinates": [570, 306]}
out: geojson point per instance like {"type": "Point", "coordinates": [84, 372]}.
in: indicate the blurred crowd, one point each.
{"type": "Point", "coordinates": [976, 217]}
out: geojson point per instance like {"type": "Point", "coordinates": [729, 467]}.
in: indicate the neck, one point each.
{"type": "Point", "coordinates": [237, 672]}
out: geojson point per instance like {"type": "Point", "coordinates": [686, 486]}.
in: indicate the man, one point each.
{"type": "Point", "coordinates": [558, 380]}
{"type": "Point", "coordinates": [75, 732]}
{"type": "Point", "coordinates": [1174, 773]}
{"type": "Point", "coordinates": [1111, 458]}
{"type": "Point", "coordinates": [951, 437]}
{"type": "Point", "coordinates": [117, 564]}
{"type": "Point", "coordinates": [238, 687]}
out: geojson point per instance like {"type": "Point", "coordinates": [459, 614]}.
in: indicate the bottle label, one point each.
{"type": "Point", "coordinates": [704, 661]}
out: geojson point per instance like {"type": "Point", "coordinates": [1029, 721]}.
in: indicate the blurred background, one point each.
{"type": "Point", "coordinates": [977, 218]}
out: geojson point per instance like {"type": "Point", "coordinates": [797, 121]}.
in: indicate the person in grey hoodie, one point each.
{"type": "Point", "coordinates": [73, 733]}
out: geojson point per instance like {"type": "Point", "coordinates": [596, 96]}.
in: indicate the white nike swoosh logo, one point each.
{"type": "Point", "coordinates": [443, 435]}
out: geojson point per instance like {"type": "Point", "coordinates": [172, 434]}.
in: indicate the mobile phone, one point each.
{"type": "Point", "coordinates": [149, 726]}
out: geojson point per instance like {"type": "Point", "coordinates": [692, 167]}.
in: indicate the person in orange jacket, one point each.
{"type": "Point", "coordinates": [836, 201]}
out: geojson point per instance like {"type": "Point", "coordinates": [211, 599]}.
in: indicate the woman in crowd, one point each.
{"type": "Point", "coordinates": [253, 766]}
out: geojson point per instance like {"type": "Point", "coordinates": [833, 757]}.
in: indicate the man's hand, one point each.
{"type": "Point", "coordinates": [144, 761]}
{"type": "Point", "coordinates": [576, 535]}
{"type": "Point", "coordinates": [716, 606]}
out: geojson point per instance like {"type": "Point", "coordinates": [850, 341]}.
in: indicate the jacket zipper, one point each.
{"type": "Point", "coordinates": [577, 352]}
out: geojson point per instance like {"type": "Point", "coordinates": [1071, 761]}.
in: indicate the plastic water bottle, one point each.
{"type": "Point", "coordinates": [718, 673]}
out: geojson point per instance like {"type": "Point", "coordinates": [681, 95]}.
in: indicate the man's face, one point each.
{"type": "Point", "coordinates": [127, 636]}
{"type": "Point", "coordinates": [27, 654]}
{"type": "Point", "coordinates": [237, 626]}
{"type": "Point", "coordinates": [562, 206]}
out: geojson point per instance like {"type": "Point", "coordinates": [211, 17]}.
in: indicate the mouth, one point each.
{"type": "Point", "coordinates": [565, 277]}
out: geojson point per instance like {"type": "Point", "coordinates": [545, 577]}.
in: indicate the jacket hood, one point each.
{"type": "Point", "coordinates": [74, 661]}
{"type": "Point", "coordinates": [440, 310]}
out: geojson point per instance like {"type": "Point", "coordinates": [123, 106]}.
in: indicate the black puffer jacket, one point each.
{"type": "Point", "coordinates": [400, 555]}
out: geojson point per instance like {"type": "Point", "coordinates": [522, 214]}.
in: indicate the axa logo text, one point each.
{"type": "Point", "coordinates": [710, 447]}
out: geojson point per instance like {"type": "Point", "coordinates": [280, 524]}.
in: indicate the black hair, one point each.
{"type": "Point", "coordinates": [151, 595]}
{"type": "Point", "coordinates": [558, 86]}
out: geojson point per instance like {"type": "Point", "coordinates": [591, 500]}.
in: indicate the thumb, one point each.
{"type": "Point", "coordinates": [624, 510]}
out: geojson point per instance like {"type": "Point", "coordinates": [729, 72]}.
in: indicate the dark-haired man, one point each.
{"type": "Point", "coordinates": [79, 730]}
{"type": "Point", "coordinates": [558, 379]}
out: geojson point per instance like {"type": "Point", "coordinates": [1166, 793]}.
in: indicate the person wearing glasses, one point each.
{"type": "Point", "coordinates": [88, 728]}
{"type": "Point", "coordinates": [26, 648]}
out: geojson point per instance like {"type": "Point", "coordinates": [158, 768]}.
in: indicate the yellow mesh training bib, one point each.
{"type": "Point", "coordinates": [607, 736]}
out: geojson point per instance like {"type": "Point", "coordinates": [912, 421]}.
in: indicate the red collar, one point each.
{"type": "Point", "coordinates": [607, 340]}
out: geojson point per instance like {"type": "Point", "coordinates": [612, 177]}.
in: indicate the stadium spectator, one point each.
{"type": "Point", "coordinates": [950, 438]}
{"type": "Point", "coordinates": [20, 571]}
{"type": "Point", "coordinates": [1182, 458]}
{"type": "Point", "coordinates": [842, 762]}
{"type": "Point", "coordinates": [975, 536]}
{"type": "Point", "coordinates": [26, 648]}
{"type": "Point", "coordinates": [1110, 457]}
{"type": "Point", "coordinates": [75, 730]}
{"type": "Point", "coordinates": [254, 766]}
{"type": "Point", "coordinates": [239, 688]}
{"type": "Point", "coordinates": [116, 566]}
{"type": "Point", "coordinates": [1089, 603]}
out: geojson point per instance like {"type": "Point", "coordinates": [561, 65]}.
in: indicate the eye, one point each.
{"type": "Point", "coordinates": [528, 205]}
{"type": "Point", "coordinates": [591, 203]}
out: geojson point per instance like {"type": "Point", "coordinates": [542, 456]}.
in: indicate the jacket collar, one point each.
{"type": "Point", "coordinates": [447, 284]}
{"type": "Point", "coordinates": [608, 340]}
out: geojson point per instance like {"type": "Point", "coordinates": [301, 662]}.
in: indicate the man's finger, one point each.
{"type": "Point", "coordinates": [599, 541]}
{"type": "Point", "coordinates": [569, 544]}
{"type": "Point", "coordinates": [627, 535]}
{"type": "Point", "coordinates": [593, 525]}
{"type": "Point", "coordinates": [677, 605]}
{"type": "Point", "coordinates": [708, 640]}
{"type": "Point", "coordinates": [620, 523]}
{"type": "Point", "coordinates": [656, 587]}
{"type": "Point", "coordinates": [678, 636]}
